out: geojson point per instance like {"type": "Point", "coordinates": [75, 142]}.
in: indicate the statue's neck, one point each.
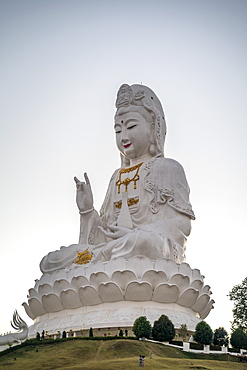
{"type": "Point", "coordinates": [143, 158]}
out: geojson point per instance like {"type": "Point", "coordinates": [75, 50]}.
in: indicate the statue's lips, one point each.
{"type": "Point", "coordinates": [127, 145]}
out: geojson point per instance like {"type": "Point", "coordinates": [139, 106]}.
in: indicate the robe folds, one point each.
{"type": "Point", "coordinates": [159, 210]}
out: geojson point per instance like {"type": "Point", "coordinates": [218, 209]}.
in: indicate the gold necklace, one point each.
{"type": "Point", "coordinates": [126, 181]}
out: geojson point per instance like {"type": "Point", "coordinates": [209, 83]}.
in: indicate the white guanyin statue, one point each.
{"type": "Point", "coordinates": [133, 251]}
{"type": "Point", "coordinates": [146, 210]}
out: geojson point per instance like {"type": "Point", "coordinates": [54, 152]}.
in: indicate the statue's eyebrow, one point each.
{"type": "Point", "coordinates": [125, 123]}
{"type": "Point", "coordinates": [131, 120]}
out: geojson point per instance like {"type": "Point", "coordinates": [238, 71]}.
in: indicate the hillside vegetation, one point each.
{"type": "Point", "coordinates": [109, 355]}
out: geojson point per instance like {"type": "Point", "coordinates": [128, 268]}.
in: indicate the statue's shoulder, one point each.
{"type": "Point", "coordinates": [167, 164]}
{"type": "Point", "coordinates": [114, 174]}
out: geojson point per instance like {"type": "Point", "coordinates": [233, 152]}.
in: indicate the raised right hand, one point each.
{"type": "Point", "coordinates": [84, 195]}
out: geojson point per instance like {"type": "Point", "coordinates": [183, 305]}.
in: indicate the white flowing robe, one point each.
{"type": "Point", "coordinates": [160, 212]}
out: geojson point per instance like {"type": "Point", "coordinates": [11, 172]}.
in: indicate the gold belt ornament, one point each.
{"type": "Point", "coordinates": [131, 202]}
{"type": "Point", "coordinates": [83, 257]}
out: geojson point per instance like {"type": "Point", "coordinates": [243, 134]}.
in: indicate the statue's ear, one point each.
{"type": "Point", "coordinates": [153, 150]}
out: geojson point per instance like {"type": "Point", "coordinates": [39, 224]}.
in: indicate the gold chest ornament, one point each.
{"type": "Point", "coordinates": [128, 180]}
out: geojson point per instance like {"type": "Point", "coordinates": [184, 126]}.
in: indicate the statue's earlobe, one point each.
{"type": "Point", "coordinates": [153, 147]}
{"type": "Point", "coordinates": [152, 150]}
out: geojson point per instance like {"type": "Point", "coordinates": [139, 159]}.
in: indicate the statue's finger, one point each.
{"type": "Point", "coordinates": [106, 233]}
{"type": "Point", "coordinates": [87, 179]}
{"type": "Point", "coordinates": [113, 227]}
{"type": "Point", "coordinates": [76, 180]}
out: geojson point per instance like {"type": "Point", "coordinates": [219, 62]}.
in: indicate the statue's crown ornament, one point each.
{"type": "Point", "coordinates": [126, 96]}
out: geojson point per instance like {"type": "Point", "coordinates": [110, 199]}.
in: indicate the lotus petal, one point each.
{"type": "Point", "coordinates": [60, 285]}
{"type": "Point", "coordinates": [44, 279]}
{"type": "Point", "coordinates": [98, 278]}
{"type": "Point", "coordinates": [168, 266]}
{"type": "Point", "coordinates": [94, 267]}
{"type": "Point", "coordinates": [32, 293]}
{"type": "Point", "coordinates": [44, 289]}
{"type": "Point", "coordinates": [89, 296]}
{"type": "Point", "coordinates": [59, 275]}
{"type": "Point", "coordinates": [79, 281]}
{"type": "Point", "coordinates": [204, 313]}
{"type": "Point", "coordinates": [115, 264]}
{"type": "Point", "coordinates": [206, 289]}
{"type": "Point", "coordinates": [28, 310]}
{"type": "Point", "coordinates": [201, 303]}
{"type": "Point", "coordinates": [123, 278]}
{"type": "Point", "coordinates": [136, 291]}
{"type": "Point", "coordinates": [70, 299]}
{"type": "Point", "coordinates": [36, 307]}
{"type": "Point", "coordinates": [188, 297]}
{"type": "Point", "coordinates": [180, 280]}
{"type": "Point", "coordinates": [110, 292]}
{"type": "Point", "coordinates": [166, 293]}
{"type": "Point", "coordinates": [138, 264]}
{"type": "Point", "coordinates": [197, 284]}
{"type": "Point", "coordinates": [185, 269]}
{"type": "Point", "coordinates": [154, 277]}
{"type": "Point", "coordinates": [196, 274]}
{"type": "Point", "coordinates": [52, 303]}
{"type": "Point", "coordinates": [78, 270]}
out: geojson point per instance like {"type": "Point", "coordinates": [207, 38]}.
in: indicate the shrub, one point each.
{"type": "Point", "coordinates": [163, 329]}
{"type": "Point", "coordinates": [220, 337]}
{"type": "Point", "coordinates": [183, 332]}
{"type": "Point", "coordinates": [203, 333]}
{"type": "Point", "coordinates": [142, 327]}
{"type": "Point", "coordinates": [91, 332]}
{"type": "Point", "coordinates": [197, 346]}
{"type": "Point", "coordinates": [239, 339]}
{"type": "Point", "coordinates": [215, 347]}
{"type": "Point", "coordinates": [176, 343]}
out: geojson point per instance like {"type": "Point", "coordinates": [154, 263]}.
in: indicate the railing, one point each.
{"type": "Point", "coordinates": [206, 349]}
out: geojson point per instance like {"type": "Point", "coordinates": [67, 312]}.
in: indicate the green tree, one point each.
{"type": "Point", "coordinates": [220, 337]}
{"type": "Point", "coordinates": [238, 295]}
{"type": "Point", "coordinates": [38, 336]}
{"type": "Point", "coordinates": [91, 332]}
{"type": "Point", "coordinates": [120, 333]}
{"type": "Point", "coordinates": [239, 339]}
{"type": "Point", "coordinates": [183, 331]}
{"type": "Point", "coordinates": [163, 329]}
{"type": "Point", "coordinates": [203, 333]}
{"type": "Point", "coordinates": [142, 327]}
{"type": "Point", "coordinates": [64, 335]}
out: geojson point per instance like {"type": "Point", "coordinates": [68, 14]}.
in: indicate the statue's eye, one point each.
{"type": "Point", "coordinates": [118, 131]}
{"type": "Point", "coordinates": [130, 127]}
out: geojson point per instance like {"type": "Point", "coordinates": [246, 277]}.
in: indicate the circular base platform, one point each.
{"type": "Point", "coordinates": [114, 315]}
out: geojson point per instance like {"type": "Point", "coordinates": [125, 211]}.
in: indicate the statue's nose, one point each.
{"type": "Point", "coordinates": [124, 136]}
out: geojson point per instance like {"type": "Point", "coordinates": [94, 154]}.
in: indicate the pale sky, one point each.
{"type": "Point", "coordinates": [61, 64]}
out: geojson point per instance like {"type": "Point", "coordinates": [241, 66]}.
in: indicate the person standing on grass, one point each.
{"type": "Point", "coordinates": [143, 361]}
{"type": "Point", "coordinates": [140, 361]}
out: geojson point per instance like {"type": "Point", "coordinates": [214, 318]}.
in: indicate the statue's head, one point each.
{"type": "Point", "coordinates": [138, 105]}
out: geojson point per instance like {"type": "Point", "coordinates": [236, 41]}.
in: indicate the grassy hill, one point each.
{"type": "Point", "coordinates": [111, 354]}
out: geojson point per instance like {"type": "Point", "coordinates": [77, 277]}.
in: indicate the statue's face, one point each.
{"type": "Point", "coordinates": [133, 134]}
